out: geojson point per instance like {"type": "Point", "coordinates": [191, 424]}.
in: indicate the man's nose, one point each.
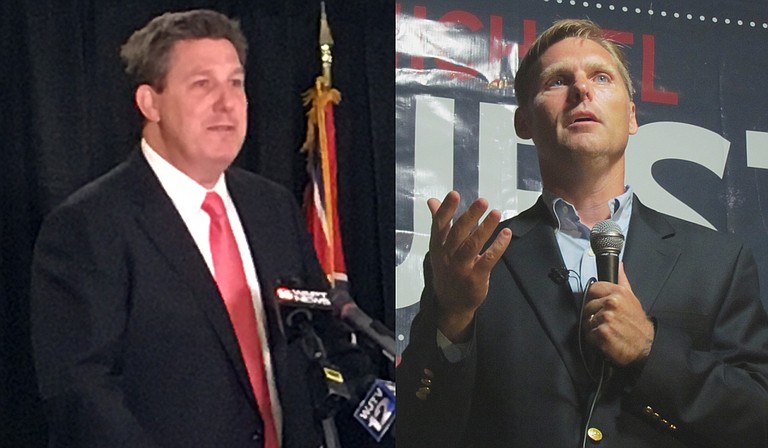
{"type": "Point", "coordinates": [227, 96]}
{"type": "Point", "coordinates": [581, 89]}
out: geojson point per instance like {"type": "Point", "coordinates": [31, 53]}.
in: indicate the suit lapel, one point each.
{"type": "Point", "coordinates": [650, 253]}
{"type": "Point", "coordinates": [553, 303]}
{"type": "Point", "coordinates": [161, 223]}
{"type": "Point", "coordinates": [255, 215]}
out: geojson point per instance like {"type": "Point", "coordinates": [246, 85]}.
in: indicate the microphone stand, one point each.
{"type": "Point", "coordinates": [326, 384]}
{"type": "Point", "coordinates": [377, 332]}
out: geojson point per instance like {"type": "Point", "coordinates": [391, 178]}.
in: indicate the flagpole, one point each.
{"type": "Point", "coordinates": [320, 202]}
{"type": "Point", "coordinates": [326, 44]}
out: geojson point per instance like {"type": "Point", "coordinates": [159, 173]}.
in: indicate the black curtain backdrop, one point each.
{"type": "Point", "coordinates": [68, 117]}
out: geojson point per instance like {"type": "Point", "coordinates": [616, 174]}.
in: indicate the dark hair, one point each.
{"type": "Point", "coordinates": [146, 53]}
{"type": "Point", "coordinates": [563, 29]}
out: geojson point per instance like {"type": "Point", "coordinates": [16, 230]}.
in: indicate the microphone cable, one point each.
{"type": "Point", "coordinates": [603, 368]}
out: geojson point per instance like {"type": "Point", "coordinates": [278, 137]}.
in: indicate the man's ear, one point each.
{"type": "Point", "coordinates": [147, 102]}
{"type": "Point", "coordinates": [522, 127]}
{"type": "Point", "coordinates": [633, 127]}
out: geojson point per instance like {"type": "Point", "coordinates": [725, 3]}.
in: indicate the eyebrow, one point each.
{"type": "Point", "coordinates": [205, 71]}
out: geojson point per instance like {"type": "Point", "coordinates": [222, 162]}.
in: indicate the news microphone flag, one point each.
{"type": "Point", "coordinates": [377, 410]}
{"type": "Point", "coordinates": [320, 204]}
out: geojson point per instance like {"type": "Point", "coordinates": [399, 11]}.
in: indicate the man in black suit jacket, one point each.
{"type": "Point", "coordinates": [134, 346]}
{"type": "Point", "coordinates": [674, 355]}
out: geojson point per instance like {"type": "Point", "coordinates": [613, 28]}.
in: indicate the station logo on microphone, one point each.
{"type": "Point", "coordinates": [377, 411]}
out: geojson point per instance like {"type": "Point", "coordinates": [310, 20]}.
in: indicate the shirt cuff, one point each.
{"type": "Point", "coordinates": [454, 352]}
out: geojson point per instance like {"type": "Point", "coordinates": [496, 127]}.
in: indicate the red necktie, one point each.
{"type": "Point", "coordinates": [230, 278]}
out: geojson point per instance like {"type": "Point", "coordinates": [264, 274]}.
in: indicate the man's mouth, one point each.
{"type": "Point", "coordinates": [221, 128]}
{"type": "Point", "coordinates": [583, 118]}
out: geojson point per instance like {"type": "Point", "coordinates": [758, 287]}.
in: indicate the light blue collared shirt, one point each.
{"type": "Point", "coordinates": [573, 236]}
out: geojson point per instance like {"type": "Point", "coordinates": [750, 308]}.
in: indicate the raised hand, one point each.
{"type": "Point", "coordinates": [616, 323]}
{"type": "Point", "coordinates": [460, 272]}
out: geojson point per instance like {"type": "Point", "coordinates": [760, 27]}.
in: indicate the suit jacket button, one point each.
{"type": "Point", "coordinates": [595, 434]}
{"type": "Point", "coordinates": [256, 436]}
{"type": "Point", "coordinates": [423, 393]}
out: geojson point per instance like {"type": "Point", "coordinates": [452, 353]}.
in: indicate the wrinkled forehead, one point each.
{"type": "Point", "coordinates": [576, 51]}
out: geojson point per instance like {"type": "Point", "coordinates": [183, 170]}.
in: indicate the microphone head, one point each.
{"type": "Point", "coordinates": [606, 237]}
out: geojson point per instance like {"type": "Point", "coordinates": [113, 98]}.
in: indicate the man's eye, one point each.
{"type": "Point", "coordinates": [200, 83]}
{"type": "Point", "coordinates": [557, 82]}
{"type": "Point", "coordinates": [237, 83]}
{"type": "Point", "coordinates": [602, 78]}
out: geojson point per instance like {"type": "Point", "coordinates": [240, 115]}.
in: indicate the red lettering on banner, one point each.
{"type": "Point", "coordinates": [647, 90]}
{"type": "Point", "coordinates": [529, 35]}
{"type": "Point", "coordinates": [473, 23]}
{"type": "Point", "coordinates": [498, 49]}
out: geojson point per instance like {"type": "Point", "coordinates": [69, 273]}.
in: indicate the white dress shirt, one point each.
{"type": "Point", "coordinates": [187, 196]}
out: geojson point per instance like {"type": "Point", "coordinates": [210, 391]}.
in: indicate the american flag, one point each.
{"type": "Point", "coordinates": [320, 198]}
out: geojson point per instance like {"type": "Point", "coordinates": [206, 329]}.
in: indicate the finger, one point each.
{"type": "Point", "coordinates": [593, 307]}
{"type": "Point", "coordinates": [623, 280]}
{"type": "Point", "coordinates": [476, 239]}
{"type": "Point", "coordinates": [433, 204]}
{"type": "Point", "coordinates": [442, 213]}
{"type": "Point", "coordinates": [603, 289]}
{"type": "Point", "coordinates": [452, 198]}
{"type": "Point", "coordinates": [598, 290]}
{"type": "Point", "coordinates": [493, 254]}
{"type": "Point", "coordinates": [592, 321]}
{"type": "Point", "coordinates": [465, 224]}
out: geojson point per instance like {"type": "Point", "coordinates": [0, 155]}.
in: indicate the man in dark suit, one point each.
{"type": "Point", "coordinates": [154, 322]}
{"type": "Point", "coordinates": [502, 354]}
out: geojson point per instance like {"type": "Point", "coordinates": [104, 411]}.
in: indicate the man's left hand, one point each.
{"type": "Point", "coordinates": [615, 322]}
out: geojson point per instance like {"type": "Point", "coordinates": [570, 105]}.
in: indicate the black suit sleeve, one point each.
{"type": "Point", "coordinates": [79, 310]}
{"type": "Point", "coordinates": [437, 416]}
{"type": "Point", "coordinates": [708, 378]}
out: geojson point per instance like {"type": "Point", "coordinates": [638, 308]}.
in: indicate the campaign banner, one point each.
{"type": "Point", "coordinates": [698, 68]}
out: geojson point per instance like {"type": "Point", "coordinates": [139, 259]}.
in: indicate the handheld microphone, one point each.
{"type": "Point", "coordinates": [360, 321]}
{"type": "Point", "coordinates": [377, 410]}
{"type": "Point", "coordinates": [607, 241]}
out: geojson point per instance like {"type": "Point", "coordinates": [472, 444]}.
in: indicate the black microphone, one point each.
{"type": "Point", "coordinates": [375, 330]}
{"type": "Point", "coordinates": [607, 241]}
{"type": "Point", "coordinates": [325, 381]}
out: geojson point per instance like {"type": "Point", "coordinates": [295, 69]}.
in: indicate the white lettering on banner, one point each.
{"type": "Point", "coordinates": [433, 177]}
{"type": "Point", "coordinates": [654, 142]}
{"type": "Point", "coordinates": [498, 161]}
{"type": "Point", "coordinates": [757, 149]}
{"type": "Point", "coordinates": [497, 170]}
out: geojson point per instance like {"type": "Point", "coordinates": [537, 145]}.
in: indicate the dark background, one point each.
{"type": "Point", "coordinates": [68, 117]}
